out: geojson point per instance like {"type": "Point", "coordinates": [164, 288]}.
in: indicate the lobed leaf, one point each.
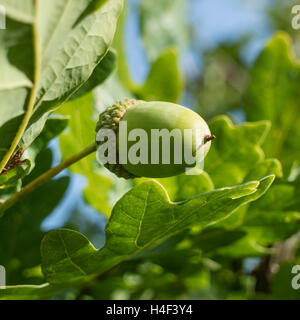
{"type": "Point", "coordinates": [274, 95]}
{"type": "Point", "coordinates": [236, 151]}
{"type": "Point", "coordinates": [68, 256]}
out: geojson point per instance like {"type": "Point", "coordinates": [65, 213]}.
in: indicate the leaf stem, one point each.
{"type": "Point", "coordinates": [45, 177]}
{"type": "Point", "coordinates": [33, 94]}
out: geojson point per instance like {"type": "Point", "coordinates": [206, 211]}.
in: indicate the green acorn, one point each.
{"type": "Point", "coordinates": [150, 116]}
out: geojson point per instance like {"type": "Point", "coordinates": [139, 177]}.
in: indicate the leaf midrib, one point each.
{"type": "Point", "coordinates": [34, 91]}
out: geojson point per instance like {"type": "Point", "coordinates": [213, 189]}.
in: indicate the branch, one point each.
{"type": "Point", "coordinates": [45, 177]}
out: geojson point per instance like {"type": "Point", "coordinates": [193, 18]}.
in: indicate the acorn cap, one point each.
{"type": "Point", "coordinates": [110, 119]}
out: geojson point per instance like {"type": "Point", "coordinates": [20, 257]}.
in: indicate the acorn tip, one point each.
{"type": "Point", "coordinates": [209, 138]}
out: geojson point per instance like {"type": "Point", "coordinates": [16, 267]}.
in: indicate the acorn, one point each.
{"type": "Point", "coordinates": [155, 118]}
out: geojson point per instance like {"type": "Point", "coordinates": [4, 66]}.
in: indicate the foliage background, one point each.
{"type": "Point", "coordinates": [233, 62]}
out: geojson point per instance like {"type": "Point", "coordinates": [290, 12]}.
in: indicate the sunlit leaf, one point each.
{"type": "Point", "coordinates": [49, 50]}
{"type": "Point", "coordinates": [274, 95]}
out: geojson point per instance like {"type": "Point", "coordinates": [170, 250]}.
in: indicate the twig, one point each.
{"type": "Point", "coordinates": [45, 177]}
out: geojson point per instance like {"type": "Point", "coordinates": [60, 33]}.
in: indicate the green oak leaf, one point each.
{"type": "Point", "coordinates": [45, 59]}
{"type": "Point", "coordinates": [274, 95]}
{"type": "Point", "coordinates": [164, 82]}
{"type": "Point", "coordinates": [68, 256]}
{"type": "Point", "coordinates": [100, 74]}
{"type": "Point", "coordinates": [184, 186]}
{"type": "Point", "coordinates": [12, 177]}
{"type": "Point", "coordinates": [27, 292]}
{"type": "Point", "coordinates": [19, 10]}
{"type": "Point", "coordinates": [273, 218]}
{"type": "Point", "coordinates": [257, 230]}
{"type": "Point", "coordinates": [263, 168]}
{"type": "Point", "coordinates": [236, 151]}
{"type": "Point", "coordinates": [13, 180]}
{"type": "Point", "coordinates": [20, 227]}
